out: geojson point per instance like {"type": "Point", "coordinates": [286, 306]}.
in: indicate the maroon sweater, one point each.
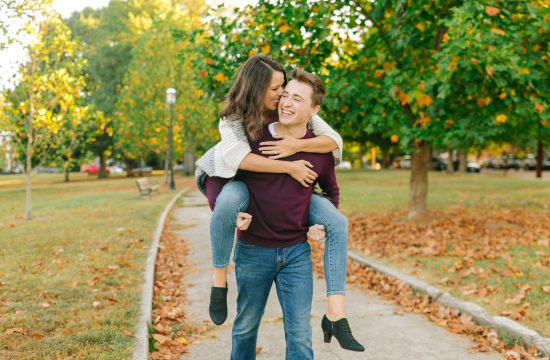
{"type": "Point", "coordinates": [279, 205]}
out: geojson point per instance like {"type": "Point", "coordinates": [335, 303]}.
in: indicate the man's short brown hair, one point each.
{"type": "Point", "coordinates": [318, 93]}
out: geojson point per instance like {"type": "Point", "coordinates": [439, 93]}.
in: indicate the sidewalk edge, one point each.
{"type": "Point", "coordinates": [141, 349]}
{"type": "Point", "coordinates": [478, 314]}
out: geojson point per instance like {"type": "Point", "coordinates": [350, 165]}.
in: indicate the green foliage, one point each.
{"type": "Point", "coordinates": [46, 108]}
{"type": "Point", "coordinates": [401, 68]}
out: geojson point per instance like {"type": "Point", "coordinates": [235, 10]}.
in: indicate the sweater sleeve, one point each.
{"type": "Point", "coordinates": [320, 127]}
{"type": "Point", "coordinates": [328, 183]}
{"type": "Point", "coordinates": [234, 143]}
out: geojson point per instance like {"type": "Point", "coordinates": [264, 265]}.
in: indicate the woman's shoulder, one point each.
{"type": "Point", "coordinates": [232, 117]}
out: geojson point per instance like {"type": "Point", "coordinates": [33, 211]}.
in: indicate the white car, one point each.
{"type": "Point", "coordinates": [344, 165]}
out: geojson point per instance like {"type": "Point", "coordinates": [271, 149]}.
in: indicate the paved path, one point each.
{"type": "Point", "coordinates": [373, 320]}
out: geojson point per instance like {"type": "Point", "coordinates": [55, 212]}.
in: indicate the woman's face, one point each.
{"type": "Point", "coordinates": [274, 91]}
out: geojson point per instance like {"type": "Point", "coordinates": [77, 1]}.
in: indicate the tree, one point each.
{"type": "Point", "coordinates": [47, 96]}
{"type": "Point", "coordinates": [400, 69]}
{"type": "Point", "coordinates": [142, 123]}
{"type": "Point", "coordinates": [108, 43]}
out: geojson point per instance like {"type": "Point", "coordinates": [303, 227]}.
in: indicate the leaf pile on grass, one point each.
{"type": "Point", "coordinates": [172, 331]}
{"type": "Point", "coordinates": [470, 234]}
{"type": "Point", "coordinates": [401, 293]}
{"type": "Point", "coordinates": [491, 255]}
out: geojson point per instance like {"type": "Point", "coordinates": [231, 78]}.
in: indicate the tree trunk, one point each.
{"type": "Point", "coordinates": [450, 165]}
{"type": "Point", "coordinates": [66, 168]}
{"type": "Point", "coordinates": [28, 202]}
{"type": "Point", "coordinates": [129, 167]}
{"type": "Point", "coordinates": [540, 155]}
{"type": "Point", "coordinates": [29, 120]}
{"type": "Point", "coordinates": [462, 161]}
{"type": "Point", "coordinates": [418, 189]}
{"type": "Point", "coordinates": [102, 166]}
{"type": "Point", "coordinates": [189, 162]}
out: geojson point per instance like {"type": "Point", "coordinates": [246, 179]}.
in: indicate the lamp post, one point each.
{"type": "Point", "coordinates": [171, 100]}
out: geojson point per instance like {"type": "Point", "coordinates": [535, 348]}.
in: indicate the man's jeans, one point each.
{"type": "Point", "coordinates": [234, 199]}
{"type": "Point", "coordinates": [256, 268]}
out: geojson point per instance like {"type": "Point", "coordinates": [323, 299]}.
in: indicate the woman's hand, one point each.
{"type": "Point", "coordinates": [301, 171]}
{"type": "Point", "coordinates": [243, 220]}
{"type": "Point", "coordinates": [281, 148]}
{"type": "Point", "coordinates": [316, 233]}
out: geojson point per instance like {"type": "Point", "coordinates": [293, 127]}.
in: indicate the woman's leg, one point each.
{"type": "Point", "coordinates": [232, 199]}
{"type": "Point", "coordinates": [323, 212]}
{"type": "Point", "coordinates": [226, 199]}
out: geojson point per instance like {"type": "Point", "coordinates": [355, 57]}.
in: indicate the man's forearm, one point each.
{"type": "Point", "coordinates": [257, 163]}
{"type": "Point", "coordinates": [319, 144]}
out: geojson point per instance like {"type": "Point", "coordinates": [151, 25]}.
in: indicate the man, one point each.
{"type": "Point", "coordinates": [274, 248]}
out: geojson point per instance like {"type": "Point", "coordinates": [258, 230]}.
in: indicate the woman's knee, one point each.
{"type": "Point", "coordinates": [234, 195]}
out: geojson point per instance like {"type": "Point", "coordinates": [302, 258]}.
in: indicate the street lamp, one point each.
{"type": "Point", "coordinates": [171, 100]}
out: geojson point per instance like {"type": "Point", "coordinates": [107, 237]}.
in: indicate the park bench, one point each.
{"type": "Point", "coordinates": [145, 187]}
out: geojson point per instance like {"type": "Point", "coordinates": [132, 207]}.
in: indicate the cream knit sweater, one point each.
{"type": "Point", "coordinates": [224, 158]}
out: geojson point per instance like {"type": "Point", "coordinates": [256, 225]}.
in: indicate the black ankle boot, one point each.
{"type": "Point", "coordinates": [218, 305]}
{"type": "Point", "coordinates": [341, 330]}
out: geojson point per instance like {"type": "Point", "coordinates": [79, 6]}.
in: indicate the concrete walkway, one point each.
{"type": "Point", "coordinates": [374, 322]}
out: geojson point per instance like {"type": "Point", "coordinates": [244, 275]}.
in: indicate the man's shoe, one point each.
{"type": "Point", "coordinates": [218, 305]}
{"type": "Point", "coordinates": [342, 332]}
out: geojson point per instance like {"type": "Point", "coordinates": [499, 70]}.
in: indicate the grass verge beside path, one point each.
{"type": "Point", "coordinates": [70, 279]}
{"type": "Point", "coordinates": [487, 239]}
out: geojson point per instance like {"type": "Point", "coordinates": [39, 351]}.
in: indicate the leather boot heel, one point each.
{"type": "Point", "coordinates": [342, 332]}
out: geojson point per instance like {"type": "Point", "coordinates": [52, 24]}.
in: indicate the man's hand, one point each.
{"type": "Point", "coordinates": [243, 220]}
{"type": "Point", "coordinates": [281, 148]}
{"type": "Point", "coordinates": [316, 233]}
{"type": "Point", "coordinates": [301, 171]}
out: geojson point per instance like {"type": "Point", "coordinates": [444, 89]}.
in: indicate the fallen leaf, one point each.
{"type": "Point", "coordinates": [181, 340]}
{"type": "Point", "coordinates": [161, 338]}
{"type": "Point", "coordinates": [16, 330]}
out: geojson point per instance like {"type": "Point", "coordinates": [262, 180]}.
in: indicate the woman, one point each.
{"type": "Point", "coordinates": [251, 103]}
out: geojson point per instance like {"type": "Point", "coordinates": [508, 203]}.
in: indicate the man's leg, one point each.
{"type": "Point", "coordinates": [294, 283]}
{"type": "Point", "coordinates": [255, 269]}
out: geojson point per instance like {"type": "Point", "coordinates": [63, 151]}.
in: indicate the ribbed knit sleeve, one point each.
{"type": "Point", "coordinates": [320, 127]}
{"type": "Point", "coordinates": [234, 143]}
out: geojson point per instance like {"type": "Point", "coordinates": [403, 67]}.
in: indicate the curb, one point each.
{"type": "Point", "coordinates": [141, 350]}
{"type": "Point", "coordinates": [478, 314]}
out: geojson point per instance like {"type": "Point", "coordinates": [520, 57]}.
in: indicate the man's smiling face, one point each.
{"type": "Point", "coordinates": [296, 105]}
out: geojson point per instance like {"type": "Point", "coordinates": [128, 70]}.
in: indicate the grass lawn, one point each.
{"type": "Point", "coordinates": [70, 279]}
{"type": "Point", "coordinates": [488, 236]}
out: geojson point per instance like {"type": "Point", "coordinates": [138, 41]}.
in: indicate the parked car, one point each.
{"type": "Point", "coordinates": [473, 167]}
{"type": "Point", "coordinates": [438, 164]}
{"type": "Point", "coordinates": [344, 165]}
{"type": "Point", "coordinates": [93, 169]}
{"type": "Point", "coordinates": [405, 162]}
{"type": "Point", "coordinates": [529, 162]}
{"type": "Point", "coordinates": [47, 170]}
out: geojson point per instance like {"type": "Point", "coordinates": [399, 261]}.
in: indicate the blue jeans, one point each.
{"type": "Point", "coordinates": [256, 268]}
{"type": "Point", "coordinates": [234, 199]}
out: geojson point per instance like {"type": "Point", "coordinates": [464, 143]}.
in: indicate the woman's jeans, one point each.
{"type": "Point", "coordinates": [256, 268]}
{"type": "Point", "coordinates": [233, 199]}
